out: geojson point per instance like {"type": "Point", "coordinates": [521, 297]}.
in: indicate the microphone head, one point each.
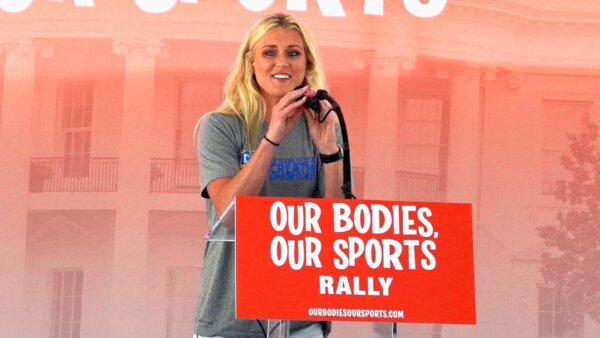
{"type": "Point", "coordinates": [313, 102]}
{"type": "Point", "coordinates": [313, 98]}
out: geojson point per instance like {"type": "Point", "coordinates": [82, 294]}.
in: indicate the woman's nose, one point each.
{"type": "Point", "coordinates": [281, 59]}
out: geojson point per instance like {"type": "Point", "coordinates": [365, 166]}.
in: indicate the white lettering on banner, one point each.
{"type": "Point", "coordinates": [342, 214]}
{"type": "Point", "coordinates": [155, 6]}
{"type": "Point", "coordinates": [392, 250]}
{"type": "Point", "coordinates": [278, 251]}
{"type": "Point", "coordinates": [329, 8]}
{"type": "Point", "coordinates": [84, 3]}
{"type": "Point", "coordinates": [427, 247]}
{"type": "Point", "coordinates": [296, 5]}
{"type": "Point", "coordinates": [329, 286]}
{"type": "Point", "coordinates": [342, 262]}
{"type": "Point", "coordinates": [427, 229]}
{"type": "Point", "coordinates": [326, 285]}
{"type": "Point", "coordinates": [374, 252]}
{"type": "Point", "coordinates": [332, 8]}
{"type": "Point", "coordinates": [14, 6]}
{"type": "Point", "coordinates": [313, 213]}
{"type": "Point", "coordinates": [379, 219]}
{"type": "Point", "coordinates": [297, 253]}
{"type": "Point", "coordinates": [278, 216]}
{"type": "Point", "coordinates": [362, 219]}
{"type": "Point", "coordinates": [411, 244]}
{"type": "Point", "coordinates": [407, 221]}
{"type": "Point", "coordinates": [307, 220]}
{"type": "Point", "coordinates": [384, 253]}
{"type": "Point", "coordinates": [381, 226]}
{"type": "Point", "coordinates": [373, 7]}
{"type": "Point", "coordinates": [256, 5]}
{"type": "Point", "coordinates": [425, 10]}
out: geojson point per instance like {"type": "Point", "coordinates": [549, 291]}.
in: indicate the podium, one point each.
{"type": "Point", "coordinates": [257, 227]}
{"type": "Point", "coordinates": [224, 231]}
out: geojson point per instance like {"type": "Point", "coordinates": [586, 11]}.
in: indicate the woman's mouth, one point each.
{"type": "Point", "coordinates": [281, 76]}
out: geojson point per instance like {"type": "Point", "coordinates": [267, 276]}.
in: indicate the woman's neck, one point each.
{"type": "Point", "coordinates": [270, 102]}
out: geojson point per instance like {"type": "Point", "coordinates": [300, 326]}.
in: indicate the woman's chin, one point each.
{"type": "Point", "coordinates": [280, 92]}
{"type": "Point", "coordinates": [279, 89]}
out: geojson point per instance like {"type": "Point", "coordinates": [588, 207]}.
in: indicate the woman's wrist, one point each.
{"type": "Point", "coordinates": [268, 139]}
{"type": "Point", "coordinates": [272, 139]}
{"type": "Point", "coordinates": [329, 149]}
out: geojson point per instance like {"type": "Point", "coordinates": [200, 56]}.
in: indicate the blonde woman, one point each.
{"type": "Point", "coordinates": [262, 141]}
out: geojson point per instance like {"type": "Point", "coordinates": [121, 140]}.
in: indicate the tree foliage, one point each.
{"type": "Point", "coordinates": [572, 261]}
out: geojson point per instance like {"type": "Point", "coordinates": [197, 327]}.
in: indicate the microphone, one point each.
{"type": "Point", "coordinates": [312, 102]}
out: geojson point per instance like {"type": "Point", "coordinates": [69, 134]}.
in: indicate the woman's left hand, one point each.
{"type": "Point", "coordinates": [323, 134]}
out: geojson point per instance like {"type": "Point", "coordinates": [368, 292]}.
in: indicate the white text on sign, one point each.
{"type": "Point", "coordinates": [397, 237]}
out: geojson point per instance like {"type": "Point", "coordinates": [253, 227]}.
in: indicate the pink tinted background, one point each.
{"type": "Point", "coordinates": [102, 225]}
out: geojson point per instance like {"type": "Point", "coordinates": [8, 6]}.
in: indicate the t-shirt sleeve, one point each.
{"type": "Point", "coordinates": [218, 149]}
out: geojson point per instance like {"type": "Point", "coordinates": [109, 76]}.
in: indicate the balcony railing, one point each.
{"type": "Point", "coordinates": [58, 174]}
{"type": "Point", "coordinates": [420, 187]}
{"type": "Point", "coordinates": [174, 175]}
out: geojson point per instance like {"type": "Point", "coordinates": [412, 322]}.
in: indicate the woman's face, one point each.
{"type": "Point", "coordinates": [279, 63]}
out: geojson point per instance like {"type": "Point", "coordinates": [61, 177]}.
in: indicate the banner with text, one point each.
{"type": "Point", "coordinates": [354, 260]}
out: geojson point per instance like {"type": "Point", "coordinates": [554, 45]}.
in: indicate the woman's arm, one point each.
{"type": "Point", "coordinates": [325, 137]}
{"type": "Point", "coordinates": [333, 179]}
{"type": "Point", "coordinates": [250, 180]}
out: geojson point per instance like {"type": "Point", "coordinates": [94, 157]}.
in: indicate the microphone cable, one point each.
{"type": "Point", "coordinates": [313, 103]}
{"type": "Point", "coordinates": [262, 328]}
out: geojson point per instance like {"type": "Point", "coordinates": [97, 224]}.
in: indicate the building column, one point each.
{"type": "Point", "coordinates": [382, 126]}
{"type": "Point", "coordinates": [18, 106]}
{"type": "Point", "coordinates": [464, 162]}
{"type": "Point", "coordinates": [464, 140]}
{"type": "Point", "coordinates": [127, 317]}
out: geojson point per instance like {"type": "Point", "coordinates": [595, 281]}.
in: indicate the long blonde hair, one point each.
{"type": "Point", "coordinates": [242, 95]}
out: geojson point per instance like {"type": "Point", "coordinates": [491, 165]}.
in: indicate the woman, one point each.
{"type": "Point", "coordinates": [262, 141]}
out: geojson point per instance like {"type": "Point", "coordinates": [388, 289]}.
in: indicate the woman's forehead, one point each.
{"type": "Point", "coordinates": [281, 37]}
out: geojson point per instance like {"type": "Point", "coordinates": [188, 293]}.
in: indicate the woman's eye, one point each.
{"type": "Point", "coordinates": [294, 53]}
{"type": "Point", "coordinates": [270, 53]}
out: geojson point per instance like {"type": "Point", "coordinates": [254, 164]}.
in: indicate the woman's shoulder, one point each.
{"type": "Point", "coordinates": [219, 120]}
{"type": "Point", "coordinates": [219, 127]}
{"type": "Point", "coordinates": [221, 117]}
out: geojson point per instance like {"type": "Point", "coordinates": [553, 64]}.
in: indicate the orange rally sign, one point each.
{"type": "Point", "coordinates": [354, 260]}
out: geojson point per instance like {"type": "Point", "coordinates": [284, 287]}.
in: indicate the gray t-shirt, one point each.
{"type": "Point", "coordinates": [296, 171]}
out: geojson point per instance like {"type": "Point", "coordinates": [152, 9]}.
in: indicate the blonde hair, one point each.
{"type": "Point", "coordinates": [242, 93]}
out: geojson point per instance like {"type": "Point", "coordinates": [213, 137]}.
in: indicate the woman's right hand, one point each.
{"type": "Point", "coordinates": [285, 114]}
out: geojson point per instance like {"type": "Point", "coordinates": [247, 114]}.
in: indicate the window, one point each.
{"type": "Point", "coordinates": [77, 126]}
{"type": "Point", "coordinates": [560, 118]}
{"type": "Point", "coordinates": [184, 285]}
{"type": "Point", "coordinates": [551, 319]}
{"type": "Point", "coordinates": [195, 99]}
{"type": "Point", "coordinates": [66, 303]}
{"type": "Point", "coordinates": [426, 136]}
{"type": "Point", "coordinates": [424, 143]}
